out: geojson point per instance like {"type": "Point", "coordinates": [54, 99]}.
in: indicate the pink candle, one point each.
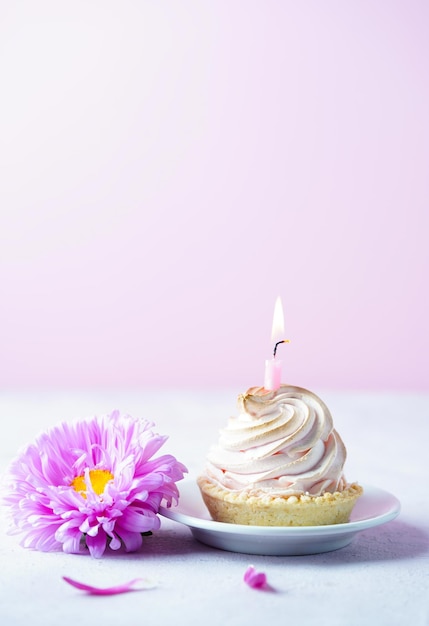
{"type": "Point", "coordinates": [273, 374]}
{"type": "Point", "coordinates": [273, 367]}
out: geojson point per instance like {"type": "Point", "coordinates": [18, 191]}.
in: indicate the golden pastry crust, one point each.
{"type": "Point", "coordinates": [237, 507]}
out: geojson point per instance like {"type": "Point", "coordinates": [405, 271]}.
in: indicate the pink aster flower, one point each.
{"type": "Point", "coordinates": [91, 483]}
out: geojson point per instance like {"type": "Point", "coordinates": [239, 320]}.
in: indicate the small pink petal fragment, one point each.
{"type": "Point", "coordinates": [255, 579]}
{"type": "Point", "coordinates": [109, 591]}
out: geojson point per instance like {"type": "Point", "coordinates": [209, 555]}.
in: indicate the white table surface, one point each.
{"type": "Point", "coordinates": [382, 577]}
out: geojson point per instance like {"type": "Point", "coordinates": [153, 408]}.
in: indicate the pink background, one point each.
{"type": "Point", "coordinates": [169, 168]}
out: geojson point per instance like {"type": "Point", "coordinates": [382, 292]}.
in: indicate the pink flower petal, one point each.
{"type": "Point", "coordinates": [109, 591]}
{"type": "Point", "coordinates": [255, 579]}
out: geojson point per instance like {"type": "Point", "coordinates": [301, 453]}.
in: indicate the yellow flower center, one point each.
{"type": "Point", "coordinates": [99, 479]}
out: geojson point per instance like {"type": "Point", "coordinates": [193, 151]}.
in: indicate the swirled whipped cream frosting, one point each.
{"type": "Point", "coordinates": [282, 443]}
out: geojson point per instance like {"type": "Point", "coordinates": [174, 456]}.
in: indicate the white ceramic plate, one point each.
{"type": "Point", "coordinates": [373, 508]}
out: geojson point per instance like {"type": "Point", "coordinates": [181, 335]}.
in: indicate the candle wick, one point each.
{"type": "Point", "coordinates": [275, 347]}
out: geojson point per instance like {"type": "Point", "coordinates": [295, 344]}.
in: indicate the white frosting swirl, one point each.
{"type": "Point", "coordinates": [282, 443]}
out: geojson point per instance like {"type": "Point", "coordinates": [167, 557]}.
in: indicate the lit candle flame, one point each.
{"type": "Point", "coordinates": [278, 329]}
{"type": "Point", "coordinates": [273, 367]}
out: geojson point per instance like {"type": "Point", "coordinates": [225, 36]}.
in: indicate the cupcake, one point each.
{"type": "Point", "coordinates": [278, 463]}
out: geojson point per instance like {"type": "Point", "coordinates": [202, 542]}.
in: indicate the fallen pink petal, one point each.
{"type": "Point", "coordinates": [256, 580]}
{"type": "Point", "coordinates": [111, 591]}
